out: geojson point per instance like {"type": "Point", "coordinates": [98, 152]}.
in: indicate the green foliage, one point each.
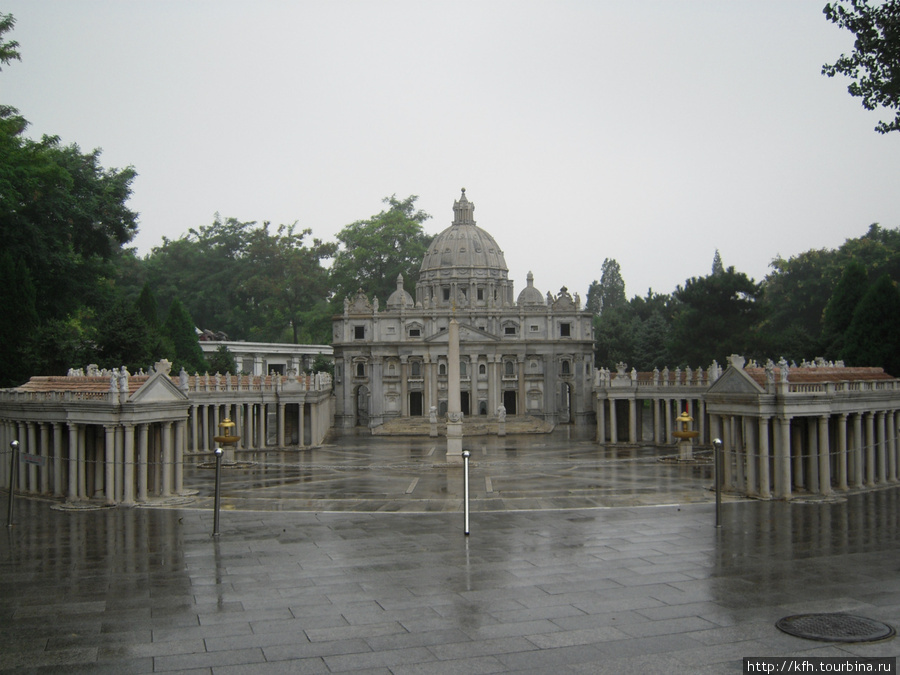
{"type": "Point", "coordinates": [841, 306]}
{"type": "Point", "coordinates": [124, 338]}
{"type": "Point", "coordinates": [374, 251]}
{"type": "Point", "coordinates": [593, 303]}
{"type": "Point", "coordinates": [20, 319]}
{"type": "Point", "coordinates": [717, 266]}
{"type": "Point", "coordinates": [873, 337]}
{"type": "Point", "coordinates": [222, 361]}
{"type": "Point", "coordinates": [179, 328]}
{"type": "Point", "coordinates": [636, 333]}
{"type": "Point", "coordinates": [612, 286]}
{"type": "Point", "coordinates": [148, 308]}
{"type": "Point", "coordinates": [322, 364]}
{"type": "Point", "coordinates": [873, 65]}
{"type": "Point", "coordinates": [714, 317]}
{"type": "Point", "coordinates": [288, 280]}
{"type": "Point", "coordinates": [9, 49]}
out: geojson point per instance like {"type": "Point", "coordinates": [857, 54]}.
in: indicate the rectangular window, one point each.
{"type": "Point", "coordinates": [533, 328]}
{"type": "Point", "coordinates": [510, 330]}
{"type": "Point", "coordinates": [415, 332]}
{"type": "Point", "coordinates": [359, 332]}
{"type": "Point", "coordinates": [481, 294]}
{"type": "Point", "coordinates": [565, 330]}
{"type": "Point", "coordinates": [446, 293]}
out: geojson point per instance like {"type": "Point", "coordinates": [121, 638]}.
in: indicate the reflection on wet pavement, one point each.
{"type": "Point", "coordinates": [406, 474]}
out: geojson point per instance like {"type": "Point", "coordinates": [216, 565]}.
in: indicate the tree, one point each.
{"type": "Point", "coordinates": [717, 266]}
{"type": "Point", "coordinates": [841, 307]}
{"type": "Point", "coordinates": [714, 317]}
{"type": "Point", "coordinates": [20, 319]}
{"type": "Point", "coordinates": [612, 286]}
{"type": "Point", "coordinates": [874, 64]}
{"type": "Point", "coordinates": [375, 251]}
{"type": "Point", "coordinates": [222, 361]}
{"type": "Point", "coordinates": [9, 49]}
{"type": "Point", "coordinates": [873, 337]}
{"type": "Point", "coordinates": [124, 338]}
{"type": "Point", "coordinates": [593, 302]}
{"type": "Point", "coordinates": [286, 282]}
{"type": "Point", "coordinates": [180, 329]}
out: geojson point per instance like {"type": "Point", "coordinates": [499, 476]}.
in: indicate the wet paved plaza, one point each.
{"type": "Point", "coordinates": [352, 558]}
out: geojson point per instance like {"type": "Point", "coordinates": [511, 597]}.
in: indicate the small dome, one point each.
{"type": "Point", "coordinates": [530, 296]}
{"type": "Point", "coordinates": [400, 298]}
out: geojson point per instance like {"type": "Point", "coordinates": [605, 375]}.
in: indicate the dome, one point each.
{"type": "Point", "coordinates": [400, 298]}
{"type": "Point", "coordinates": [530, 295]}
{"type": "Point", "coordinates": [463, 249]}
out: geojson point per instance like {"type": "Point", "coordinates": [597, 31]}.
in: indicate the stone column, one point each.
{"type": "Point", "coordinates": [454, 414]}
{"type": "Point", "coordinates": [783, 459]}
{"type": "Point", "coordinates": [109, 482]}
{"type": "Point", "coordinates": [727, 451]}
{"type": "Point", "coordinates": [657, 422]}
{"type": "Point", "coordinates": [263, 425]}
{"type": "Point", "coordinates": [301, 420]}
{"type": "Point", "coordinates": [842, 452]}
{"type": "Point", "coordinates": [812, 448]}
{"type": "Point", "coordinates": [522, 407]}
{"type": "Point", "coordinates": [857, 453]}
{"type": "Point", "coordinates": [668, 418]}
{"type": "Point", "coordinates": [737, 444]}
{"type": "Point", "coordinates": [281, 424]}
{"type": "Point", "coordinates": [44, 451]}
{"type": "Point", "coordinates": [892, 445]}
{"type": "Point", "coordinates": [701, 421]}
{"type": "Point", "coordinates": [613, 422]}
{"type": "Point", "coordinates": [799, 469]}
{"type": "Point", "coordinates": [195, 438]}
{"type": "Point", "coordinates": [204, 428]}
{"type": "Point", "coordinates": [128, 473]}
{"type": "Point", "coordinates": [31, 448]}
{"type": "Point", "coordinates": [882, 446]}
{"type": "Point", "coordinates": [601, 420]}
{"type": "Point", "coordinates": [632, 420]}
{"type": "Point", "coordinates": [143, 461]}
{"type": "Point", "coordinates": [751, 444]}
{"type": "Point", "coordinates": [74, 461]}
{"type": "Point", "coordinates": [764, 479]}
{"type": "Point", "coordinates": [180, 436]}
{"type": "Point", "coordinates": [404, 386]}
{"type": "Point", "coordinates": [870, 449]}
{"type": "Point", "coordinates": [167, 459]}
{"type": "Point", "coordinates": [57, 460]}
{"type": "Point", "coordinates": [824, 457]}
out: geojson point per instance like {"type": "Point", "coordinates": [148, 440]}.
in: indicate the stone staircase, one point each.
{"type": "Point", "coordinates": [421, 426]}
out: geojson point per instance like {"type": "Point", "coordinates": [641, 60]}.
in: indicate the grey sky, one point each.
{"type": "Point", "coordinates": [649, 132]}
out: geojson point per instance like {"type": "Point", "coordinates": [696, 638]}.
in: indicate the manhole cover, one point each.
{"type": "Point", "coordinates": [835, 627]}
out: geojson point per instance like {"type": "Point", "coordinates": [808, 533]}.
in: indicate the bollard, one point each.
{"type": "Point", "coordinates": [465, 455]}
{"type": "Point", "coordinates": [13, 471]}
{"type": "Point", "coordinates": [218, 454]}
{"type": "Point", "coordinates": [717, 457]}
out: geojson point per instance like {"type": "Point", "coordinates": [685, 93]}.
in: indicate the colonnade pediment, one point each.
{"type": "Point", "coordinates": [735, 381]}
{"type": "Point", "coordinates": [159, 388]}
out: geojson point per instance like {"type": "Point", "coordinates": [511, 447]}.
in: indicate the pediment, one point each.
{"type": "Point", "coordinates": [736, 381]}
{"type": "Point", "coordinates": [158, 389]}
{"type": "Point", "coordinates": [466, 334]}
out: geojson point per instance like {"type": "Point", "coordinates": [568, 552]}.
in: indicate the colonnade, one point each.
{"type": "Point", "coordinates": [119, 463]}
{"type": "Point", "coordinates": [664, 410]}
{"type": "Point", "coordinates": [295, 423]}
{"type": "Point", "coordinates": [779, 454]}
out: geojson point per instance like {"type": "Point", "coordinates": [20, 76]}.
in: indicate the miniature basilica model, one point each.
{"type": "Point", "coordinates": [525, 355]}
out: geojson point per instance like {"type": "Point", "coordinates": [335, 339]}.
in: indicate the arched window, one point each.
{"type": "Point", "coordinates": [462, 369]}
{"type": "Point", "coordinates": [482, 369]}
{"type": "Point", "coordinates": [565, 367]}
{"type": "Point", "coordinates": [416, 369]}
{"type": "Point", "coordinates": [442, 369]}
{"type": "Point", "coordinates": [510, 369]}
{"type": "Point", "coordinates": [360, 369]}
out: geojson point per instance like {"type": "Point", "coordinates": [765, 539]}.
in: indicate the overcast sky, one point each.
{"type": "Point", "coordinates": [649, 132]}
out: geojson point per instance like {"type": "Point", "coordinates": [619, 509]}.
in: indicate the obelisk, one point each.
{"type": "Point", "coordinates": [454, 406]}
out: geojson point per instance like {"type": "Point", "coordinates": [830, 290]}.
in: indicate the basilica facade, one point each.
{"type": "Point", "coordinates": [519, 355]}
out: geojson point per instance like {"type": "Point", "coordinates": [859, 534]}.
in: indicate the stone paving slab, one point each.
{"type": "Point", "coordinates": [644, 589]}
{"type": "Point", "coordinates": [375, 575]}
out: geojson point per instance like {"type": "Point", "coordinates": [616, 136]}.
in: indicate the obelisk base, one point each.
{"type": "Point", "coordinates": [454, 438]}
